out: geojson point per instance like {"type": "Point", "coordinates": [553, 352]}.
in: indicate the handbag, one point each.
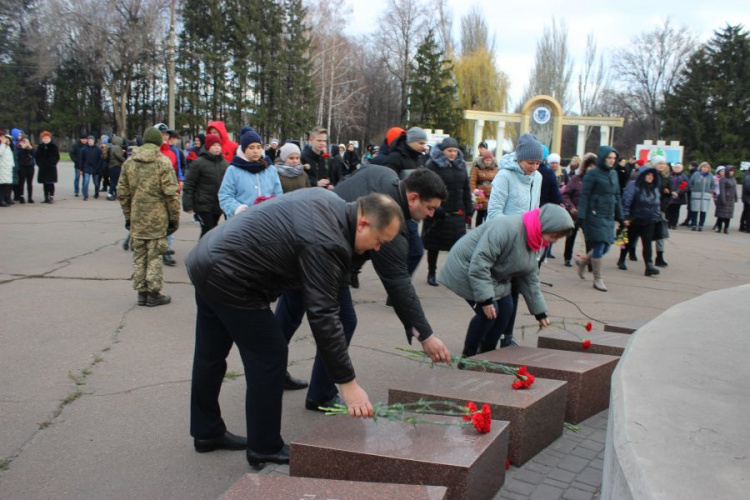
{"type": "Point", "coordinates": [661, 230]}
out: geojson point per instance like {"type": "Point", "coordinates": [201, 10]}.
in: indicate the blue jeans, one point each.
{"type": "Point", "coordinates": [483, 333]}
{"type": "Point", "coordinates": [86, 179]}
{"type": "Point", "coordinates": [598, 249]}
{"type": "Point", "coordinates": [290, 309]}
{"type": "Point", "coordinates": [693, 219]}
{"type": "Point", "coordinates": [77, 181]}
{"type": "Point", "coordinates": [170, 239]}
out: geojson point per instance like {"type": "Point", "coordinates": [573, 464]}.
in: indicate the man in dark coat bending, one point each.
{"type": "Point", "coordinates": [304, 240]}
{"type": "Point", "coordinates": [418, 196]}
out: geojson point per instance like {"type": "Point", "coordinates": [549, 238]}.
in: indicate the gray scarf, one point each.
{"type": "Point", "coordinates": [289, 171]}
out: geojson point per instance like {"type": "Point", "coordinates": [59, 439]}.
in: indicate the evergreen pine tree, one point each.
{"type": "Point", "coordinates": [708, 111]}
{"type": "Point", "coordinates": [433, 92]}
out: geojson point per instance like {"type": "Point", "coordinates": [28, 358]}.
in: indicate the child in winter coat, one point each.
{"type": "Point", "coordinates": [248, 180]}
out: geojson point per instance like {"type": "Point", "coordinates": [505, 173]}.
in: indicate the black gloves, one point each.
{"type": "Point", "coordinates": [172, 227]}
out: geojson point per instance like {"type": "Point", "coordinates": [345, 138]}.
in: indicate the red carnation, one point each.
{"type": "Point", "coordinates": [588, 326]}
{"type": "Point", "coordinates": [472, 408]}
{"type": "Point", "coordinates": [522, 371]}
{"type": "Point", "coordinates": [518, 384]}
{"type": "Point", "coordinates": [683, 185]}
{"type": "Point", "coordinates": [586, 344]}
{"type": "Point", "coordinates": [529, 380]}
{"type": "Point", "coordinates": [326, 155]}
{"type": "Point", "coordinates": [482, 420]}
{"type": "Point", "coordinates": [261, 199]}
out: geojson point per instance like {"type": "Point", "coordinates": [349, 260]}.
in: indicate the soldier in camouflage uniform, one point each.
{"type": "Point", "coordinates": [149, 197]}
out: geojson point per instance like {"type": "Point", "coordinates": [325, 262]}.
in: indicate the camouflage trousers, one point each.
{"type": "Point", "coordinates": [148, 272]}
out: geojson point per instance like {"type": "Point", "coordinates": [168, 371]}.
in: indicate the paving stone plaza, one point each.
{"type": "Point", "coordinates": [94, 390]}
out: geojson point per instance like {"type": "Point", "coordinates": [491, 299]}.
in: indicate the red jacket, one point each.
{"type": "Point", "coordinates": [228, 146]}
{"type": "Point", "coordinates": [167, 151]}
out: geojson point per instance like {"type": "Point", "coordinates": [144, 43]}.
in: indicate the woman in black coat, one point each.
{"type": "Point", "coordinates": [449, 223]}
{"type": "Point", "coordinates": [47, 157]}
{"type": "Point", "coordinates": [642, 211]}
{"type": "Point", "coordinates": [201, 190]}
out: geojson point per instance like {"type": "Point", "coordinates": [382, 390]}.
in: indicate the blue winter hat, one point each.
{"type": "Point", "coordinates": [529, 148]}
{"type": "Point", "coordinates": [249, 137]}
{"type": "Point", "coordinates": [244, 129]}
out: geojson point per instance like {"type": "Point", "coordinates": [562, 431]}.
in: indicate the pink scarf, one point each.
{"type": "Point", "coordinates": [533, 226]}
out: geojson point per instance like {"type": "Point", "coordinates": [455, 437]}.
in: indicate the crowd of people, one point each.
{"type": "Point", "coordinates": [302, 220]}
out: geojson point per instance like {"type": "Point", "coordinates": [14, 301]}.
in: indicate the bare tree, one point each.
{"type": "Point", "coordinates": [552, 72]}
{"type": "Point", "coordinates": [443, 26]}
{"type": "Point", "coordinates": [400, 30]}
{"type": "Point", "coordinates": [474, 33]}
{"type": "Point", "coordinates": [108, 39]}
{"type": "Point", "coordinates": [592, 80]}
{"type": "Point", "coordinates": [649, 69]}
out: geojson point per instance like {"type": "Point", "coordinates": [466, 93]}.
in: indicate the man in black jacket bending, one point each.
{"type": "Point", "coordinates": [304, 240]}
{"type": "Point", "coordinates": [418, 196]}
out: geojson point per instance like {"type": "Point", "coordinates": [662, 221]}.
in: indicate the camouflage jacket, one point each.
{"type": "Point", "coordinates": [148, 193]}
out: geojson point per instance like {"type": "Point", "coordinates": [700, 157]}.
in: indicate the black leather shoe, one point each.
{"type": "Point", "coordinates": [315, 405]}
{"type": "Point", "coordinates": [432, 280]}
{"type": "Point", "coordinates": [293, 384]}
{"type": "Point", "coordinates": [258, 460]}
{"type": "Point", "coordinates": [226, 442]}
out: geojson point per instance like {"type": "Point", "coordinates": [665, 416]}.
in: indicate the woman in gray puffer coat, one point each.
{"type": "Point", "coordinates": [481, 265]}
{"type": "Point", "coordinates": [725, 200]}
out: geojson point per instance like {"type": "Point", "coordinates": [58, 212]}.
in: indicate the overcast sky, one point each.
{"type": "Point", "coordinates": [517, 25]}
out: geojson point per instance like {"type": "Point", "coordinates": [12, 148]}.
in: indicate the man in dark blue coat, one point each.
{"type": "Point", "coordinates": [91, 163]}
{"type": "Point", "coordinates": [418, 196]}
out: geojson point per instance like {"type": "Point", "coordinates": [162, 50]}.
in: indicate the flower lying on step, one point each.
{"type": "Point", "coordinates": [409, 412]}
{"type": "Point", "coordinates": [588, 326]}
{"type": "Point", "coordinates": [586, 344]}
{"type": "Point", "coordinates": [523, 377]}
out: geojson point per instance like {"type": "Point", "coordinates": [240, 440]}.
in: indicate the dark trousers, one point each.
{"type": "Point", "coordinates": [508, 331]}
{"type": "Point", "coordinates": [264, 356]}
{"type": "Point", "coordinates": [114, 178]}
{"type": "Point", "coordinates": [25, 176]}
{"type": "Point", "coordinates": [692, 219]}
{"type": "Point", "coordinates": [673, 214]}
{"type": "Point", "coordinates": [481, 216]}
{"type": "Point", "coordinates": [208, 221]}
{"type": "Point", "coordinates": [484, 333]}
{"type": "Point", "coordinates": [570, 242]}
{"type": "Point", "coordinates": [49, 190]}
{"type": "Point", "coordinates": [77, 180]}
{"type": "Point", "coordinates": [722, 223]}
{"type": "Point", "coordinates": [6, 193]}
{"type": "Point", "coordinates": [416, 247]}
{"type": "Point", "coordinates": [745, 219]}
{"type": "Point", "coordinates": [290, 309]}
{"type": "Point", "coordinates": [432, 256]}
{"type": "Point", "coordinates": [646, 234]}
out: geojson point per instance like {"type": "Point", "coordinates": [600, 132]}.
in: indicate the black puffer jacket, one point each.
{"type": "Point", "coordinates": [304, 239]}
{"type": "Point", "coordinates": [390, 262]}
{"type": "Point", "coordinates": [400, 157]}
{"type": "Point", "coordinates": [201, 190]}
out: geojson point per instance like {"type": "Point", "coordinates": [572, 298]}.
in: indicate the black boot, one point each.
{"type": "Point", "coordinates": [660, 262]}
{"type": "Point", "coordinates": [156, 299]}
{"type": "Point", "coordinates": [142, 298]}
{"type": "Point", "coordinates": [651, 270]}
{"type": "Point", "coordinates": [621, 262]}
{"type": "Point", "coordinates": [168, 261]}
{"type": "Point", "coordinates": [633, 257]}
{"type": "Point", "coordinates": [431, 279]}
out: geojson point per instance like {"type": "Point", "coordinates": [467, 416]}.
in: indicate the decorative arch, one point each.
{"type": "Point", "coordinates": [557, 118]}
